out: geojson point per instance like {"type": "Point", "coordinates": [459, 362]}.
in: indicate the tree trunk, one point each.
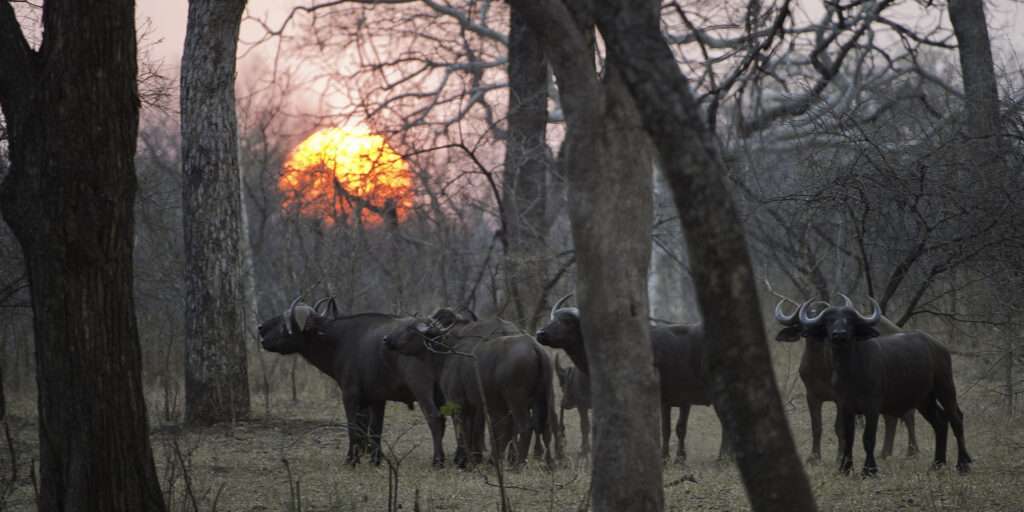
{"type": "Point", "coordinates": [73, 111]}
{"type": "Point", "coordinates": [610, 208]}
{"type": "Point", "coordinates": [527, 163]}
{"type": "Point", "coordinates": [983, 130]}
{"type": "Point", "coordinates": [1010, 388]}
{"type": "Point", "coordinates": [609, 175]}
{"type": "Point", "coordinates": [3, 399]}
{"type": "Point", "coordinates": [981, 92]}
{"type": "Point", "coordinates": [743, 383]}
{"type": "Point", "coordinates": [216, 380]}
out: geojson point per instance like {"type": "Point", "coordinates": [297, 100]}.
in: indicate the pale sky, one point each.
{"type": "Point", "coordinates": [169, 18]}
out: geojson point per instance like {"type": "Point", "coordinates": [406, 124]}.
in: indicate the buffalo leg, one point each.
{"type": "Point", "coordinates": [428, 398]}
{"type": "Point", "coordinates": [523, 430]}
{"type": "Point", "coordinates": [724, 447]}
{"type": "Point", "coordinates": [461, 424]}
{"type": "Point", "coordinates": [376, 429]}
{"type": "Point", "coordinates": [940, 425]}
{"type": "Point", "coordinates": [538, 443]}
{"type": "Point", "coordinates": [584, 429]}
{"type": "Point", "coordinates": [947, 396]}
{"type": "Point", "coordinates": [908, 420]}
{"type": "Point", "coordinates": [847, 420]}
{"type": "Point", "coordinates": [870, 435]}
{"type": "Point", "coordinates": [502, 433]}
{"type": "Point", "coordinates": [461, 443]}
{"type": "Point", "coordinates": [684, 417]}
{"type": "Point", "coordinates": [891, 424]}
{"type": "Point", "coordinates": [666, 430]}
{"type": "Point", "coordinates": [354, 417]}
{"type": "Point", "coordinates": [814, 408]}
{"type": "Point", "coordinates": [840, 435]}
{"type": "Point", "coordinates": [475, 437]}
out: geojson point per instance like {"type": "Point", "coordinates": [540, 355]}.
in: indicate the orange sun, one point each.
{"type": "Point", "coordinates": [349, 175]}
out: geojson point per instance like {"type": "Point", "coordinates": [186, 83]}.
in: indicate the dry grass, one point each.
{"type": "Point", "coordinates": [243, 466]}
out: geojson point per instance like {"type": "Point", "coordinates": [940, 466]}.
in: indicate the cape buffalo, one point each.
{"type": "Point", "coordinates": [349, 350]}
{"type": "Point", "coordinates": [816, 374]}
{"type": "Point", "coordinates": [476, 368]}
{"type": "Point", "coordinates": [678, 353]}
{"type": "Point", "coordinates": [891, 374]}
{"type": "Point", "coordinates": [576, 395]}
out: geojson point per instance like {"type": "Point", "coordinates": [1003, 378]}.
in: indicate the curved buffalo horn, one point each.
{"type": "Point", "coordinates": [784, 319]}
{"type": "Point", "coordinates": [316, 307]}
{"type": "Point", "coordinates": [559, 304]}
{"type": "Point", "coordinates": [847, 303]}
{"type": "Point", "coordinates": [876, 311]}
{"type": "Point", "coordinates": [811, 321]}
{"type": "Point", "coordinates": [289, 320]}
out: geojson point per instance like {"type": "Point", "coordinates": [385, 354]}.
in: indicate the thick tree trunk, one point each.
{"type": "Point", "coordinates": [216, 380]}
{"type": "Point", "coordinates": [984, 143]}
{"type": "Point", "coordinates": [981, 92]}
{"type": "Point", "coordinates": [73, 112]}
{"type": "Point", "coordinates": [527, 163]}
{"type": "Point", "coordinates": [743, 383]}
{"type": "Point", "coordinates": [610, 207]}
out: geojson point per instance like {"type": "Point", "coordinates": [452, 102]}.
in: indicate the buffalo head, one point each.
{"type": "Point", "coordinates": [791, 328]}
{"type": "Point", "coordinates": [418, 336]}
{"type": "Point", "coordinates": [839, 324]}
{"type": "Point", "coordinates": [286, 333]}
{"type": "Point", "coordinates": [563, 328]}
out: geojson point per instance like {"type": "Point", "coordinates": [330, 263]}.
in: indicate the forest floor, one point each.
{"type": "Point", "coordinates": [292, 459]}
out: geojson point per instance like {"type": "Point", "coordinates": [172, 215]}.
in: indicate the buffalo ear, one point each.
{"type": "Point", "coordinates": [304, 316]}
{"type": "Point", "coordinates": [789, 334]}
{"type": "Point", "coordinates": [445, 317]}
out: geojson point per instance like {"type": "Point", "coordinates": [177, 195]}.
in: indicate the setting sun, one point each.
{"type": "Point", "coordinates": [343, 174]}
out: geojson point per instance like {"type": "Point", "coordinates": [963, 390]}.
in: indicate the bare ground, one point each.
{"type": "Point", "coordinates": [292, 459]}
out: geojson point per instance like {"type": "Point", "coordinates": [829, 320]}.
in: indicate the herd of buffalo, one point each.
{"type": "Point", "coordinates": [489, 375]}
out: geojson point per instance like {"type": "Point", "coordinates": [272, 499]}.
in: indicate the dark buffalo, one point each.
{"type": "Point", "coordinates": [875, 375]}
{"type": "Point", "coordinates": [678, 353]}
{"type": "Point", "coordinates": [576, 395]}
{"type": "Point", "coordinates": [512, 372]}
{"type": "Point", "coordinates": [816, 374]}
{"type": "Point", "coordinates": [350, 351]}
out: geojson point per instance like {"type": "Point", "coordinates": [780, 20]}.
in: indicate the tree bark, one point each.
{"type": "Point", "coordinates": [981, 92]}
{"type": "Point", "coordinates": [610, 208]}
{"type": "Point", "coordinates": [216, 380]}
{"type": "Point", "coordinates": [73, 110]}
{"type": "Point", "coordinates": [527, 163]}
{"type": "Point", "coordinates": [743, 384]}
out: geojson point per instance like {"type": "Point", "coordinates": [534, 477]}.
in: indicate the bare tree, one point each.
{"type": "Point", "coordinates": [527, 166]}
{"type": "Point", "coordinates": [72, 108]}
{"type": "Point", "coordinates": [608, 165]}
{"type": "Point", "coordinates": [743, 384]}
{"type": "Point", "coordinates": [216, 381]}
